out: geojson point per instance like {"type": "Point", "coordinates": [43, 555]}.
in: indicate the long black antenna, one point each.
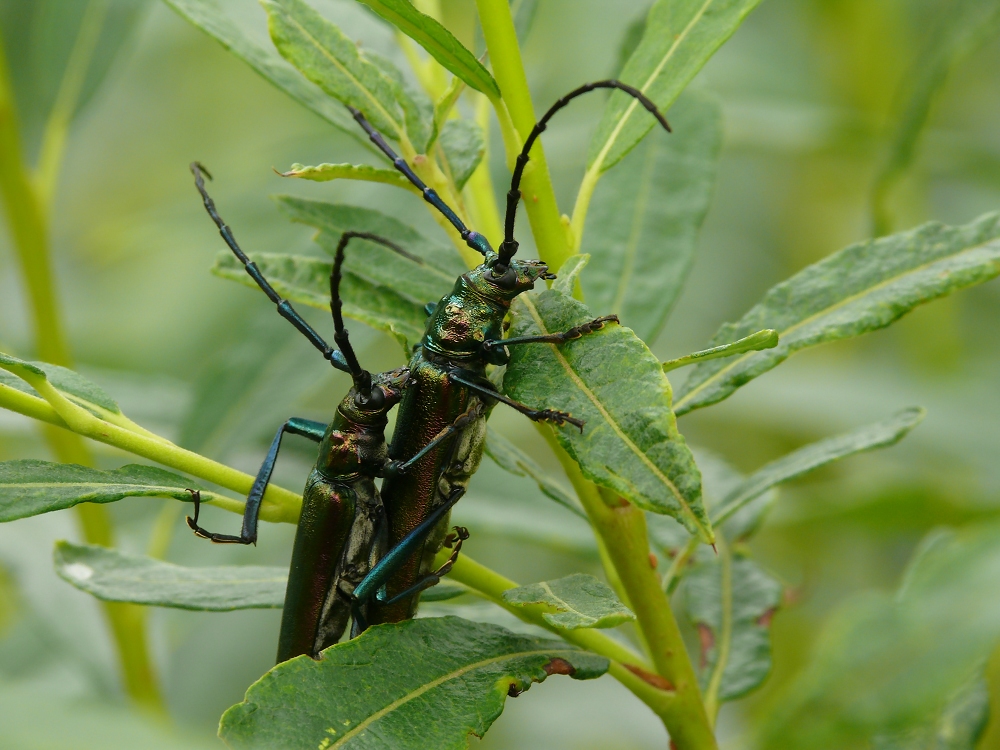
{"type": "Point", "coordinates": [473, 239]}
{"type": "Point", "coordinates": [509, 245]}
{"type": "Point", "coordinates": [285, 308]}
{"type": "Point", "coordinates": [362, 378]}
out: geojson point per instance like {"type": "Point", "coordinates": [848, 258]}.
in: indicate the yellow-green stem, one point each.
{"type": "Point", "coordinates": [536, 187]}
{"type": "Point", "coordinates": [25, 205]}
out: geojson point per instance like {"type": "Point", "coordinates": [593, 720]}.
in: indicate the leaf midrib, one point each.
{"type": "Point", "coordinates": [402, 700]}
{"type": "Point", "coordinates": [602, 155]}
{"type": "Point", "coordinates": [564, 363]}
{"type": "Point", "coordinates": [825, 311]}
{"type": "Point", "coordinates": [567, 607]}
{"type": "Point", "coordinates": [337, 64]}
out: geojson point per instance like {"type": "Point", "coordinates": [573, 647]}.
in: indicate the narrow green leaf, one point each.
{"type": "Point", "coordinates": [731, 600]}
{"type": "Point", "coordinates": [960, 30]}
{"type": "Point", "coordinates": [569, 273]}
{"type": "Point", "coordinates": [463, 146]}
{"type": "Point", "coordinates": [577, 601]}
{"type": "Point", "coordinates": [643, 224]}
{"type": "Point", "coordinates": [885, 663]}
{"type": "Point", "coordinates": [755, 342]}
{"type": "Point", "coordinates": [332, 61]}
{"type": "Point", "coordinates": [630, 443]}
{"type": "Point", "coordinates": [378, 690]}
{"type": "Point", "coordinates": [862, 288]}
{"type": "Point", "coordinates": [806, 459]}
{"type": "Point", "coordinates": [30, 488]}
{"type": "Point", "coordinates": [71, 384]}
{"type": "Point", "coordinates": [114, 576]}
{"type": "Point", "coordinates": [444, 591]}
{"type": "Point", "coordinates": [307, 281]}
{"type": "Point", "coordinates": [210, 18]}
{"type": "Point", "coordinates": [364, 172]}
{"type": "Point", "coordinates": [418, 110]}
{"type": "Point", "coordinates": [508, 456]}
{"type": "Point", "coordinates": [680, 37]}
{"type": "Point", "coordinates": [960, 726]}
{"type": "Point", "coordinates": [438, 41]}
{"type": "Point", "coordinates": [523, 12]}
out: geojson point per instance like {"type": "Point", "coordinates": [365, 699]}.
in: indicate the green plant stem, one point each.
{"type": "Point", "coordinates": [25, 205]}
{"type": "Point", "coordinates": [626, 666]}
{"type": "Point", "coordinates": [622, 529]}
{"type": "Point", "coordinates": [536, 187]}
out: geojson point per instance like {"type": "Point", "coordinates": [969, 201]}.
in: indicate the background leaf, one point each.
{"type": "Point", "coordinates": [680, 37]}
{"type": "Point", "coordinates": [364, 172]}
{"type": "Point", "coordinates": [330, 60]}
{"type": "Point", "coordinates": [862, 288]}
{"type": "Point", "coordinates": [118, 577]}
{"type": "Point", "coordinates": [71, 384]}
{"type": "Point", "coordinates": [642, 227]}
{"type": "Point", "coordinates": [29, 487]}
{"type": "Point", "coordinates": [463, 146]}
{"type": "Point", "coordinates": [438, 41]}
{"type": "Point", "coordinates": [209, 16]}
{"type": "Point", "coordinates": [630, 441]}
{"type": "Point", "coordinates": [579, 601]}
{"type": "Point", "coordinates": [457, 671]}
{"type": "Point", "coordinates": [307, 281]}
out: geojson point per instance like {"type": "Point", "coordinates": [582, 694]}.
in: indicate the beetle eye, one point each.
{"type": "Point", "coordinates": [377, 398]}
{"type": "Point", "coordinates": [506, 279]}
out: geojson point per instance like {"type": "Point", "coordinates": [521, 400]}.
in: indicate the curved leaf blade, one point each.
{"type": "Point", "coordinates": [795, 464]}
{"type": "Point", "coordinates": [208, 16]}
{"type": "Point", "coordinates": [680, 37]}
{"type": "Point", "coordinates": [731, 601]}
{"type": "Point", "coordinates": [307, 281]}
{"type": "Point", "coordinates": [29, 487]}
{"type": "Point", "coordinates": [642, 227]}
{"type": "Point", "coordinates": [329, 59]}
{"type": "Point", "coordinates": [114, 576]}
{"type": "Point", "coordinates": [577, 601]}
{"type": "Point", "coordinates": [363, 172]}
{"type": "Point", "coordinates": [630, 443]}
{"type": "Point", "coordinates": [864, 287]}
{"type": "Point", "coordinates": [377, 690]}
{"type": "Point", "coordinates": [960, 726]}
{"type": "Point", "coordinates": [71, 384]}
{"type": "Point", "coordinates": [438, 41]}
{"type": "Point", "coordinates": [463, 146]}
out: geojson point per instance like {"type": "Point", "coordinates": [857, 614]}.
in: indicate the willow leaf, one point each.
{"type": "Point", "coordinates": [463, 146]}
{"type": "Point", "coordinates": [377, 690]}
{"type": "Point", "coordinates": [680, 37]}
{"type": "Point", "coordinates": [208, 16]}
{"type": "Point", "coordinates": [329, 59]}
{"type": "Point", "coordinates": [812, 456]}
{"type": "Point", "coordinates": [418, 109]}
{"type": "Point", "coordinates": [114, 576]}
{"type": "Point", "coordinates": [363, 172]}
{"type": "Point", "coordinates": [576, 601]}
{"type": "Point", "coordinates": [508, 456]}
{"type": "Point", "coordinates": [307, 281]}
{"type": "Point", "coordinates": [960, 726]}
{"type": "Point", "coordinates": [731, 601]}
{"type": "Point", "coordinates": [29, 487]}
{"type": "Point", "coordinates": [755, 342]}
{"type": "Point", "coordinates": [861, 288]}
{"type": "Point", "coordinates": [642, 228]}
{"type": "Point", "coordinates": [74, 386]}
{"type": "Point", "coordinates": [438, 41]}
{"type": "Point", "coordinates": [630, 443]}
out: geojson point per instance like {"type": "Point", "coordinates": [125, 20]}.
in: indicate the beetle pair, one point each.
{"type": "Point", "coordinates": [367, 553]}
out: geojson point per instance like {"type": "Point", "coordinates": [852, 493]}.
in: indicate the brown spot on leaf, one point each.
{"type": "Point", "coordinates": [765, 619]}
{"type": "Point", "coordinates": [707, 638]}
{"type": "Point", "coordinates": [559, 666]}
{"type": "Point", "coordinates": [661, 683]}
{"type": "Point", "coordinates": [653, 561]}
{"type": "Point", "coordinates": [513, 691]}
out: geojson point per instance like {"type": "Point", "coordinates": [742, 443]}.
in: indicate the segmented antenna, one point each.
{"type": "Point", "coordinates": [285, 308]}
{"type": "Point", "coordinates": [362, 378]}
{"type": "Point", "coordinates": [509, 245]}
{"type": "Point", "coordinates": [473, 239]}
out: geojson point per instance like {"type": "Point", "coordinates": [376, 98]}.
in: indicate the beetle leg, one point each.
{"type": "Point", "coordinates": [461, 421]}
{"type": "Point", "coordinates": [554, 338]}
{"type": "Point", "coordinates": [538, 415]}
{"type": "Point", "coordinates": [251, 512]}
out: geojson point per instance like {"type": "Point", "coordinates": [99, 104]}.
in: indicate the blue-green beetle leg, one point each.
{"type": "Point", "coordinates": [248, 535]}
{"type": "Point", "coordinates": [554, 338]}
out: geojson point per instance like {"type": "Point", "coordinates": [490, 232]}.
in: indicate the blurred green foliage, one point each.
{"type": "Point", "coordinates": [818, 100]}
